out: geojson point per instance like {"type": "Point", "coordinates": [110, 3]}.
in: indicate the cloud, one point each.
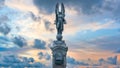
{"type": "Point", "coordinates": [110, 43]}
{"type": "Point", "coordinates": [71, 60]}
{"type": "Point", "coordinates": [35, 17]}
{"type": "Point", "coordinates": [112, 60]}
{"type": "Point", "coordinates": [81, 4]}
{"type": "Point", "coordinates": [11, 59]}
{"type": "Point", "coordinates": [101, 61]}
{"type": "Point", "coordinates": [48, 26]}
{"type": "Point", "coordinates": [4, 38]}
{"type": "Point", "coordinates": [17, 61]}
{"type": "Point", "coordinates": [95, 10]}
{"type": "Point", "coordinates": [40, 55]}
{"type": "Point", "coordinates": [108, 61]}
{"type": "Point", "coordinates": [117, 51]}
{"type": "Point", "coordinates": [1, 3]}
{"type": "Point", "coordinates": [28, 60]}
{"type": "Point", "coordinates": [22, 5]}
{"type": "Point", "coordinates": [4, 29]}
{"type": "Point", "coordinates": [20, 41]}
{"type": "Point", "coordinates": [45, 56]}
{"type": "Point", "coordinates": [110, 6]}
{"type": "Point", "coordinates": [3, 18]}
{"type": "Point", "coordinates": [92, 7]}
{"type": "Point", "coordinates": [39, 44]}
{"type": "Point", "coordinates": [6, 42]}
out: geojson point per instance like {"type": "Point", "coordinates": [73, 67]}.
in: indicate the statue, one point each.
{"type": "Point", "coordinates": [58, 47]}
{"type": "Point", "coordinates": [60, 21]}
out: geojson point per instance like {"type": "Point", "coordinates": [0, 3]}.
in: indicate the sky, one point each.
{"type": "Point", "coordinates": [92, 33]}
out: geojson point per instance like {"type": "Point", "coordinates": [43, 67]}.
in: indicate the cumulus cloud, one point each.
{"type": "Point", "coordinates": [108, 61]}
{"type": "Point", "coordinates": [39, 44]}
{"type": "Point", "coordinates": [17, 61]}
{"type": "Point", "coordinates": [71, 60]}
{"type": "Point", "coordinates": [4, 29]}
{"type": "Point", "coordinates": [101, 62]}
{"type": "Point", "coordinates": [20, 41]}
{"type": "Point", "coordinates": [45, 56]}
{"type": "Point", "coordinates": [112, 60]}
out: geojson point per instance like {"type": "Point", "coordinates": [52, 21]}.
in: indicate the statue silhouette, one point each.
{"type": "Point", "coordinates": [60, 20]}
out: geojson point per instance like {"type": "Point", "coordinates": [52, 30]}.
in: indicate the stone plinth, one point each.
{"type": "Point", "coordinates": [59, 51]}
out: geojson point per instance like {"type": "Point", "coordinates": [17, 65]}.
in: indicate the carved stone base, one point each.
{"type": "Point", "coordinates": [59, 51]}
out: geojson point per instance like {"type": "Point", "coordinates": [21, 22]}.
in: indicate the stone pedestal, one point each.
{"type": "Point", "coordinates": [59, 52]}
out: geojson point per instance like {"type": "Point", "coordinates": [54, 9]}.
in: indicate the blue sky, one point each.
{"type": "Point", "coordinates": [92, 32]}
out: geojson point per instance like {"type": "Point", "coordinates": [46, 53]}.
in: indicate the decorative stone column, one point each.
{"type": "Point", "coordinates": [59, 51]}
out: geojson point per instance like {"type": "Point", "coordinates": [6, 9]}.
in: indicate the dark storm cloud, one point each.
{"type": "Point", "coordinates": [85, 5]}
{"type": "Point", "coordinates": [20, 41]}
{"type": "Point", "coordinates": [39, 44]}
{"type": "Point", "coordinates": [103, 8]}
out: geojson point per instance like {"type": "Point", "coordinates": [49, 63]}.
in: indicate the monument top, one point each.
{"type": "Point", "coordinates": [60, 20]}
